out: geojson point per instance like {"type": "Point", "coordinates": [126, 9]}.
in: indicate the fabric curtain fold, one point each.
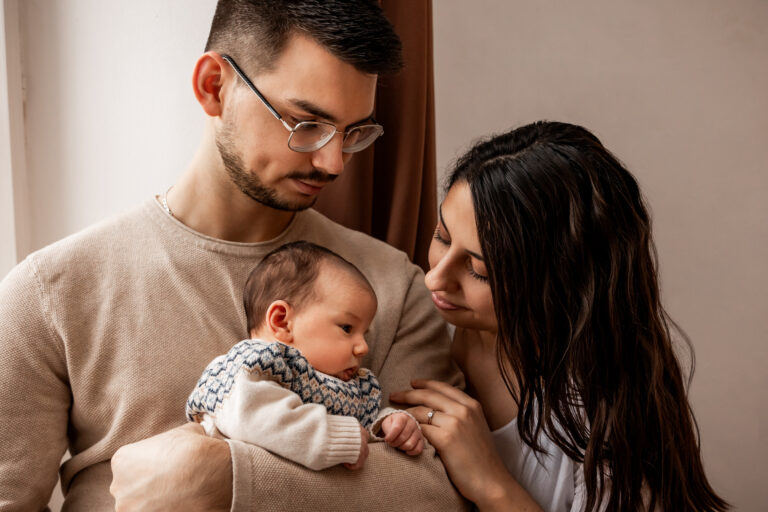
{"type": "Point", "coordinates": [390, 190]}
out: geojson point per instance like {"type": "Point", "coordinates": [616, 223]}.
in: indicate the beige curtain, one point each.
{"type": "Point", "coordinates": [389, 190]}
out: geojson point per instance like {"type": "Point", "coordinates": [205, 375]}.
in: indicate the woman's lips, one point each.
{"type": "Point", "coordinates": [441, 303]}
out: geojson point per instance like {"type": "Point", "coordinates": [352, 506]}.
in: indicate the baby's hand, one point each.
{"type": "Point", "coordinates": [401, 431]}
{"type": "Point", "coordinates": [363, 451]}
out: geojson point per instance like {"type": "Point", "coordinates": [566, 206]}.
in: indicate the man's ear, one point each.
{"type": "Point", "coordinates": [279, 321]}
{"type": "Point", "coordinates": [208, 80]}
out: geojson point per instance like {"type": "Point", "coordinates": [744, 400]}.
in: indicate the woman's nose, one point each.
{"type": "Point", "coordinates": [439, 277]}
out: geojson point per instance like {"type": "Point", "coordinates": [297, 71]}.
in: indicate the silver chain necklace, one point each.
{"type": "Point", "coordinates": [164, 202]}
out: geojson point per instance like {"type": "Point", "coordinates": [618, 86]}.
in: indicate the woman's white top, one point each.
{"type": "Point", "coordinates": [549, 478]}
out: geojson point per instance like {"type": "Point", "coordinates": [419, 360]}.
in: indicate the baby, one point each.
{"type": "Point", "coordinates": [296, 387]}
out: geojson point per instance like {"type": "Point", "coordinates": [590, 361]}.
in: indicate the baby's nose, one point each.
{"type": "Point", "coordinates": [361, 347]}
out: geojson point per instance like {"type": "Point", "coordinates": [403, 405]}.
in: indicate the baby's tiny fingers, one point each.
{"type": "Point", "coordinates": [409, 428]}
{"type": "Point", "coordinates": [418, 448]}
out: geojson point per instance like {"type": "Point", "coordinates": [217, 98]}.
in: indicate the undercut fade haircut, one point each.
{"type": "Point", "coordinates": [355, 31]}
{"type": "Point", "coordinates": [289, 273]}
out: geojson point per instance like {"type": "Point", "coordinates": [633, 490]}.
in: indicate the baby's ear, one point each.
{"type": "Point", "coordinates": [278, 321]}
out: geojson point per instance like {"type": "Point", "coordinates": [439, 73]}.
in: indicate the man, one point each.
{"type": "Point", "coordinates": [103, 334]}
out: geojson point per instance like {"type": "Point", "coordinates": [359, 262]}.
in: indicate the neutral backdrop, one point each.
{"type": "Point", "coordinates": [97, 114]}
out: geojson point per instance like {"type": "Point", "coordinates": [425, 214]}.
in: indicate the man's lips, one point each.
{"type": "Point", "coordinates": [441, 303]}
{"type": "Point", "coordinates": [309, 187]}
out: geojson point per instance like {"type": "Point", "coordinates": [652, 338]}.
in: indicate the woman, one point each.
{"type": "Point", "coordinates": [544, 261]}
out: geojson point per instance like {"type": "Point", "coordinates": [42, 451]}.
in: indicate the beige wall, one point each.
{"type": "Point", "coordinates": [678, 90]}
{"type": "Point", "coordinates": [110, 115]}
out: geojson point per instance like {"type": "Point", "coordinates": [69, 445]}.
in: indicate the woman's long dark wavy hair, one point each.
{"type": "Point", "coordinates": [584, 344]}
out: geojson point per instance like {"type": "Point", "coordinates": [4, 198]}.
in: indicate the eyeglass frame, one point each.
{"type": "Point", "coordinates": [293, 129]}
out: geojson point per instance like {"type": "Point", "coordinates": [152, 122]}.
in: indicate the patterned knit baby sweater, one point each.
{"type": "Point", "coordinates": [267, 394]}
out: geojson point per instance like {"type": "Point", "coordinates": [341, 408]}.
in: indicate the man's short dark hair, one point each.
{"type": "Point", "coordinates": [289, 273]}
{"type": "Point", "coordinates": [355, 31]}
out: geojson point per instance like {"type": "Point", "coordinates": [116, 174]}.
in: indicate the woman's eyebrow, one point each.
{"type": "Point", "coordinates": [442, 222]}
{"type": "Point", "coordinates": [475, 255]}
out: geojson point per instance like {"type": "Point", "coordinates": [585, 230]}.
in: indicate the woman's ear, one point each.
{"type": "Point", "coordinates": [279, 321]}
{"type": "Point", "coordinates": [208, 80]}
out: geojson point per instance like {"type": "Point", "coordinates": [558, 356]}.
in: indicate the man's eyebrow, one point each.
{"type": "Point", "coordinates": [316, 111]}
{"type": "Point", "coordinates": [442, 222]}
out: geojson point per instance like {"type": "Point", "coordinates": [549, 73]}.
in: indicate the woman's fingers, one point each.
{"type": "Point", "coordinates": [446, 389]}
{"type": "Point", "coordinates": [438, 396]}
{"type": "Point", "coordinates": [426, 397]}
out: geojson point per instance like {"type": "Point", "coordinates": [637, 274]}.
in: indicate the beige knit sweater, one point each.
{"type": "Point", "coordinates": [103, 334]}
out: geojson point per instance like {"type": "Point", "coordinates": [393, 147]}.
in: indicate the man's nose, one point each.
{"type": "Point", "coordinates": [330, 158]}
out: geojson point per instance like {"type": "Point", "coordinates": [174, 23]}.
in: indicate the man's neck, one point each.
{"type": "Point", "coordinates": [209, 203]}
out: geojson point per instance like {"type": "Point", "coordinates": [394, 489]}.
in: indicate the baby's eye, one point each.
{"type": "Point", "coordinates": [346, 328]}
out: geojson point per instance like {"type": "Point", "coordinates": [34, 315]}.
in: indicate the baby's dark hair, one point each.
{"type": "Point", "coordinates": [289, 273]}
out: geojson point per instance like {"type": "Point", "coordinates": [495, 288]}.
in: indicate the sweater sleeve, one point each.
{"type": "Point", "coordinates": [421, 348]}
{"type": "Point", "coordinates": [390, 480]}
{"type": "Point", "coordinates": [35, 400]}
{"type": "Point", "coordinates": [261, 412]}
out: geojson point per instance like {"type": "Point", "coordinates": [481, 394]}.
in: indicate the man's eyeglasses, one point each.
{"type": "Point", "coordinates": [308, 136]}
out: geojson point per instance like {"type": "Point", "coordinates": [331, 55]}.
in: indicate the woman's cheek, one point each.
{"type": "Point", "coordinates": [482, 304]}
{"type": "Point", "coordinates": [436, 251]}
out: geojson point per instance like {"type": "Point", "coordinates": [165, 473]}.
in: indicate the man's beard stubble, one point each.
{"type": "Point", "coordinates": [251, 185]}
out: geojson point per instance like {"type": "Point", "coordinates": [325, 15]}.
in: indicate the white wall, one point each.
{"type": "Point", "coordinates": [7, 228]}
{"type": "Point", "coordinates": [14, 213]}
{"type": "Point", "coordinates": [110, 114]}
{"type": "Point", "coordinates": [678, 91]}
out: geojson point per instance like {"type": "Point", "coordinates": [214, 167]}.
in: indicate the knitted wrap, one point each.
{"type": "Point", "coordinates": [359, 397]}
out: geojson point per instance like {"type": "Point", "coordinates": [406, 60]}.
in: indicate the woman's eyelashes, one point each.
{"type": "Point", "coordinates": [472, 272]}
{"type": "Point", "coordinates": [479, 277]}
{"type": "Point", "coordinates": [437, 236]}
{"type": "Point", "coordinates": [443, 240]}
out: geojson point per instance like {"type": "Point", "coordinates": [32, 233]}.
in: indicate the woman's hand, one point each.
{"type": "Point", "coordinates": [458, 431]}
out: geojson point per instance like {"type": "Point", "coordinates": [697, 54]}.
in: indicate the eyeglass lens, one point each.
{"type": "Point", "coordinates": [308, 136]}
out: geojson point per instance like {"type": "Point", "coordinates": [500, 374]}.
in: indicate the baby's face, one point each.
{"type": "Point", "coordinates": [329, 328]}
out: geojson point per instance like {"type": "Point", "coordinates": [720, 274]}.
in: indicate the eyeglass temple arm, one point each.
{"type": "Point", "coordinates": [251, 86]}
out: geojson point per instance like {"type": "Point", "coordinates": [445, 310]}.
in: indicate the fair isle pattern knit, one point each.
{"type": "Point", "coordinates": [359, 397]}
